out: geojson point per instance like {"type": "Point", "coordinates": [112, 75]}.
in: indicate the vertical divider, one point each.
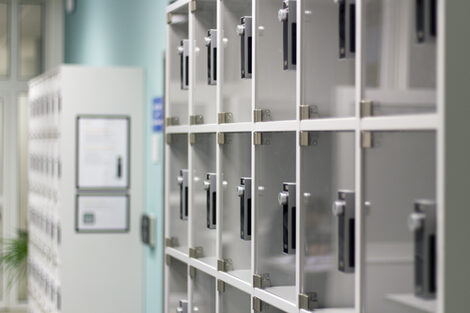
{"type": "Point", "coordinates": [358, 160]}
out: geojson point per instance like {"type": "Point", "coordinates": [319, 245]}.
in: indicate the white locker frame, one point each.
{"type": "Point", "coordinates": [451, 296]}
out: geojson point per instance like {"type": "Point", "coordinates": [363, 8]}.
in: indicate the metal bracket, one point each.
{"type": "Point", "coordinates": [171, 242]}
{"type": "Point", "coordinates": [261, 115]}
{"type": "Point", "coordinates": [196, 252]}
{"type": "Point", "coordinates": [172, 121]}
{"type": "Point", "coordinates": [168, 139]}
{"type": "Point", "coordinates": [367, 108]}
{"type": "Point", "coordinates": [168, 259]}
{"type": "Point", "coordinates": [221, 138]}
{"type": "Point", "coordinates": [308, 301]}
{"type": "Point", "coordinates": [304, 139]}
{"type": "Point", "coordinates": [261, 280]}
{"type": "Point", "coordinates": [258, 305]}
{"type": "Point", "coordinates": [196, 119]}
{"type": "Point", "coordinates": [225, 117]}
{"type": "Point", "coordinates": [220, 286]}
{"type": "Point", "coordinates": [224, 265]}
{"type": "Point", "coordinates": [308, 112]}
{"type": "Point", "coordinates": [257, 138]}
{"type": "Point", "coordinates": [366, 140]}
{"type": "Point", "coordinates": [168, 18]}
{"type": "Point", "coordinates": [192, 138]}
{"type": "Point", "coordinates": [193, 6]}
{"type": "Point", "coordinates": [192, 272]}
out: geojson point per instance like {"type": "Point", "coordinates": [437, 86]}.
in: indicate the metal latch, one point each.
{"type": "Point", "coordinates": [196, 253]}
{"type": "Point", "coordinates": [211, 44]}
{"type": "Point", "coordinates": [308, 301]}
{"type": "Point", "coordinates": [220, 286]}
{"type": "Point", "coordinates": [224, 265]}
{"type": "Point", "coordinates": [261, 280]}
{"type": "Point", "coordinates": [308, 112]}
{"type": "Point", "coordinates": [344, 209]}
{"type": "Point", "coordinates": [183, 306]}
{"type": "Point", "coordinates": [225, 117]}
{"type": "Point", "coordinates": [183, 181]}
{"type": "Point", "coordinates": [366, 108]}
{"type": "Point", "coordinates": [183, 51]}
{"type": "Point", "coordinates": [426, 20]}
{"type": "Point", "coordinates": [347, 28]}
{"type": "Point", "coordinates": [261, 115]}
{"type": "Point", "coordinates": [287, 15]}
{"type": "Point", "coordinates": [245, 31]}
{"type": "Point", "coordinates": [210, 185]}
{"type": "Point", "coordinates": [196, 119]}
{"type": "Point", "coordinates": [287, 201]}
{"type": "Point", "coordinates": [366, 140]}
{"type": "Point", "coordinates": [172, 121]}
{"type": "Point", "coordinates": [244, 192]}
{"type": "Point", "coordinates": [422, 222]}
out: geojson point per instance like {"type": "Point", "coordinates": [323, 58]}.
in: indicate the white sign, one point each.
{"type": "Point", "coordinates": [103, 153]}
{"type": "Point", "coordinates": [96, 213]}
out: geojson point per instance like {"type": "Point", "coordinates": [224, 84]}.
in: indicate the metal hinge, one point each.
{"type": "Point", "coordinates": [192, 138]}
{"type": "Point", "coordinates": [308, 301]}
{"type": "Point", "coordinates": [196, 252]}
{"type": "Point", "coordinates": [220, 286]}
{"type": "Point", "coordinates": [172, 121]}
{"type": "Point", "coordinates": [196, 119]}
{"type": "Point", "coordinates": [367, 108]}
{"type": "Point", "coordinates": [304, 139]}
{"type": "Point", "coordinates": [366, 140]}
{"type": "Point", "coordinates": [168, 259]}
{"type": "Point", "coordinates": [261, 115]}
{"type": "Point", "coordinates": [192, 272]}
{"type": "Point", "coordinates": [308, 112]}
{"type": "Point", "coordinates": [258, 305]}
{"type": "Point", "coordinates": [224, 265]}
{"type": "Point", "coordinates": [168, 139]}
{"type": "Point", "coordinates": [261, 280]}
{"type": "Point", "coordinates": [225, 117]}
{"type": "Point", "coordinates": [257, 138]}
{"type": "Point", "coordinates": [193, 6]}
{"type": "Point", "coordinates": [171, 242]}
{"type": "Point", "coordinates": [168, 18]}
{"type": "Point", "coordinates": [221, 138]}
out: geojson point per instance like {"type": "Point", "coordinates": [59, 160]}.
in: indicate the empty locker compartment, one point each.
{"type": "Point", "coordinates": [177, 71]}
{"type": "Point", "coordinates": [274, 228]}
{"type": "Point", "coordinates": [177, 285]}
{"type": "Point", "coordinates": [205, 63]}
{"type": "Point", "coordinates": [236, 202]}
{"type": "Point", "coordinates": [399, 193]}
{"type": "Point", "coordinates": [233, 300]}
{"type": "Point", "coordinates": [275, 59]}
{"type": "Point", "coordinates": [203, 193]}
{"type": "Point", "coordinates": [328, 75]}
{"type": "Point", "coordinates": [177, 187]}
{"type": "Point", "coordinates": [203, 291]}
{"type": "Point", "coordinates": [327, 254]}
{"type": "Point", "coordinates": [237, 59]}
{"type": "Point", "coordinates": [400, 70]}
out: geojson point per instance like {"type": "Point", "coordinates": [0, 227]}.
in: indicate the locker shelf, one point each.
{"type": "Point", "coordinates": [281, 298]}
{"type": "Point", "coordinates": [414, 302]}
{"type": "Point", "coordinates": [240, 279]}
{"type": "Point", "coordinates": [234, 300]}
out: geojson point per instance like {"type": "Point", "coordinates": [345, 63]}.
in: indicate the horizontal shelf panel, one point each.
{"type": "Point", "coordinates": [176, 6]}
{"type": "Point", "coordinates": [276, 126]}
{"type": "Point", "coordinates": [331, 310]}
{"type": "Point", "coordinates": [204, 128]}
{"type": "Point", "coordinates": [206, 265]}
{"type": "Point", "coordinates": [282, 297]}
{"type": "Point", "coordinates": [177, 254]}
{"type": "Point", "coordinates": [401, 122]}
{"type": "Point", "coordinates": [236, 127]}
{"type": "Point", "coordinates": [238, 279]}
{"type": "Point", "coordinates": [180, 129]}
{"type": "Point", "coordinates": [414, 302]}
{"type": "Point", "coordinates": [329, 124]}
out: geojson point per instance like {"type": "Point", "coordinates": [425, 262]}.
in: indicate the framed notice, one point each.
{"type": "Point", "coordinates": [102, 213]}
{"type": "Point", "coordinates": [103, 144]}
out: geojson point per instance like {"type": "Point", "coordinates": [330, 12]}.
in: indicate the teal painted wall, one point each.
{"type": "Point", "coordinates": [128, 33]}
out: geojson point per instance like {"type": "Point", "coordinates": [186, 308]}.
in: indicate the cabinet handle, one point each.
{"type": "Point", "coordinates": [210, 185]}
{"type": "Point", "coordinates": [287, 202]}
{"type": "Point", "coordinates": [426, 20]}
{"type": "Point", "coordinates": [344, 209]}
{"type": "Point", "coordinates": [183, 51]}
{"type": "Point", "coordinates": [245, 31]}
{"type": "Point", "coordinates": [211, 44]}
{"type": "Point", "coordinates": [244, 192]}
{"type": "Point", "coordinates": [287, 15]}
{"type": "Point", "coordinates": [119, 168]}
{"type": "Point", "coordinates": [183, 182]}
{"type": "Point", "coordinates": [347, 28]}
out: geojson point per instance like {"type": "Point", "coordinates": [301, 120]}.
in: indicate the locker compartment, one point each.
{"type": "Point", "coordinates": [234, 300]}
{"type": "Point", "coordinates": [203, 291]}
{"type": "Point", "coordinates": [205, 62]}
{"type": "Point", "coordinates": [275, 222]}
{"type": "Point", "coordinates": [399, 171]}
{"type": "Point", "coordinates": [236, 201]}
{"type": "Point", "coordinates": [178, 191]}
{"type": "Point", "coordinates": [327, 168]}
{"type": "Point", "coordinates": [400, 74]}
{"type": "Point", "coordinates": [328, 75]}
{"type": "Point", "coordinates": [203, 209]}
{"type": "Point", "coordinates": [275, 86]}
{"type": "Point", "coordinates": [237, 59]}
{"type": "Point", "coordinates": [177, 56]}
{"type": "Point", "coordinates": [177, 280]}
